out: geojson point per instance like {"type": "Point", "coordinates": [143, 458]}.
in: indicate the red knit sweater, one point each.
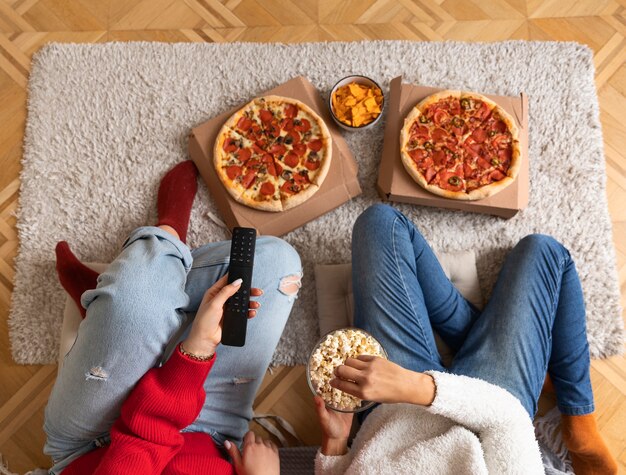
{"type": "Point", "coordinates": [146, 438]}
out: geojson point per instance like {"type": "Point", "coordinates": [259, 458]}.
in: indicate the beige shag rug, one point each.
{"type": "Point", "coordinates": [106, 121]}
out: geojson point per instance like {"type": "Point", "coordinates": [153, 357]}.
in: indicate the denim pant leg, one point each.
{"type": "Point", "coordinates": [131, 316]}
{"type": "Point", "coordinates": [400, 291]}
{"type": "Point", "coordinates": [237, 374]}
{"type": "Point", "coordinates": [536, 309]}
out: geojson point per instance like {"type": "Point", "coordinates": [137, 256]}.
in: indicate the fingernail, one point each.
{"type": "Point", "coordinates": [227, 445]}
{"type": "Point", "coordinates": [237, 282]}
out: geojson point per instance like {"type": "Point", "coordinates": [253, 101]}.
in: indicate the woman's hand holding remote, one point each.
{"type": "Point", "coordinates": [206, 330]}
{"type": "Point", "coordinates": [376, 379]}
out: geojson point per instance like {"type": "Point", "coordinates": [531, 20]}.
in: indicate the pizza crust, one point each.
{"type": "Point", "coordinates": [299, 198]}
{"type": "Point", "coordinates": [267, 205]}
{"type": "Point", "coordinates": [480, 97]}
{"type": "Point", "coordinates": [434, 98]}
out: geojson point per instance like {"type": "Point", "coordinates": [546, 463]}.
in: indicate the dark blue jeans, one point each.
{"type": "Point", "coordinates": [534, 322]}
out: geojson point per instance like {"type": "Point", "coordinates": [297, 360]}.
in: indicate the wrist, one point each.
{"type": "Point", "coordinates": [421, 390]}
{"type": "Point", "coordinates": [198, 348]}
{"type": "Point", "coordinates": [334, 446]}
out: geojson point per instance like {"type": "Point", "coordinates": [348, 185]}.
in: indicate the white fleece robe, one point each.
{"type": "Point", "coordinates": [472, 427]}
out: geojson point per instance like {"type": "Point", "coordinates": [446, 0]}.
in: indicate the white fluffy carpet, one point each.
{"type": "Point", "coordinates": [106, 121]}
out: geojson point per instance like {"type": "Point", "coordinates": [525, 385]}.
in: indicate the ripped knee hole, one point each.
{"type": "Point", "coordinates": [290, 284]}
{"type": "Point", "coordinates": [97, 373]}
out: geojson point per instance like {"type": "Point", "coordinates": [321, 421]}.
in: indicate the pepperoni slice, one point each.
{"type": "Point", "coordinates": [255, 130]}
{"type": "Point", "coordinates": [441, 117]}
{"type": "Point", "coordinates": [467, 170]}
{"type": "Point", "coordinates": [267, 158]}
{"type": "Point", "coordinates": [482, 163]}
{"type": "Point", "coordinates": [439, 134]}
{"type": "Point", "coordinates": [496, 175]}
{"type": "Point", "coordinates": [450, 180]}
{"type": "Point", "coordinates": [253, 162]}
{"type": "Point", "coordinates": [430, 173]}
{"type": "Point", "coordinates": [244, 155]}
{"type": "Point", "coordinates": [505, 154]}
{"type": "Point", "coordinates": [291, 111]}
{"type": "Point", "coordinates": [458, 131]}
{"type": "Point", "coordinates": [293, 137]}
{"type": "Point", "coordinates": [273, 130]}
{"type": "Point", "coordinates": [303, 126]}
{"type": "Point", "coordinates": [271, 168]}
{"type": "Point", "coordinates": [479, 135]}
{"type": "Point", "coordinates": [244, 123]}
{"type": "Point", "coordinates": [278, 168]}
{"type": "Point", "coordinates": [455, 106]}
{"type": "Point", "coordinates": [266, 116]}
{"type": "Point", "coordinates": [316, 145]}
{"type": "Point", "coordinates": [278, 149]}
{"type": "Point", "coordinates": [289, 187]}
{"type": "Point", "coordinates": [439, 157]}
{"type": "Point", "coordinates": [230, 145]}
{"type": "Point", "coordinates": [301, 178]}
{"type": "Point", "coordinates": [419, 131]}
{"type": "Point", "coordinates": [417, 155]}
{"type": "Point", "coordinates": [286, 124]}
{"type": "Point", "coordinates": [233, 171]}
{"type": "Point", "coordinates": [291, 159]}
{"type": "Point", "coordinates": [299, 149]}
{"type": "Point", "coordinates": [500, 141]}
{"type": "Point", "coordinates": [312, 165]}
{"type": "Point", "coordinates": [497, 125]}
{"type": "Point", "coordinates": [483, 112]}
{"type": "Point", "coordinates": [427, 163]}
{"type": "Point", "coordinates": [248, 179]}
{"type": "Point", "coordinates": [258, 148]}
{"type": "Point", "coordinates": [267, 188]}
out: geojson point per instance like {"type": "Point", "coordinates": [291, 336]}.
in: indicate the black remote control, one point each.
{"type": "Point", "coordinates": [236, 310]}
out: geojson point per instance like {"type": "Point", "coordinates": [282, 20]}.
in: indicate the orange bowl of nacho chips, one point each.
{"type": "Point", "coordinates": [356, 102]}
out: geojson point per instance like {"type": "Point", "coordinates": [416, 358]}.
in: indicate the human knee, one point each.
{"type": "Point", "coordinates": [283, 260]}
{"type": "Point", "coordinates": [279, 252]}
{"type": "Point", "coordinates": [376, 216]}
{"type": "Point", "coordinates": [540, 241]}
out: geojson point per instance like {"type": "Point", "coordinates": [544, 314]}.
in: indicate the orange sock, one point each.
{"type": "Point", "coordinates": [589, 453]}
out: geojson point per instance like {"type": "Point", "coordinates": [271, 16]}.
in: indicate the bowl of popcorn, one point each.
{"type": "Point", "coordinates": [356, 102]}
{"type": "Point", "coordinates": [331, 351]}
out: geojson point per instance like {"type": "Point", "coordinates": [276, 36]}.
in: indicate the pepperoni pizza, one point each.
{"type": "Point", "coordinates": [273, 154]}
{"type": "Point", "coordinates": [460, 145]}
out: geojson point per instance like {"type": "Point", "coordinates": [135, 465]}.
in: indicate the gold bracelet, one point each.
{"type": "Point", "coordinates": [192, 356]}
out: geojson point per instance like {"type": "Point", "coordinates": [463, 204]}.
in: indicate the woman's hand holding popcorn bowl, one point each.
{"type": "Point", "coordinates": [349, 372]}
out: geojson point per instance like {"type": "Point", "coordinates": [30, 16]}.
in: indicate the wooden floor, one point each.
{"type": "Point", "coordinates": [25, 25]}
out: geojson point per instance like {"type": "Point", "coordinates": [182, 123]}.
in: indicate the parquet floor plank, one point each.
{"type": "Point", "coordinates": [26, 25]}
{"type": "Point", "coordinates": [62, 15]}
{"type": "Point", "coordinates": [483, 10]}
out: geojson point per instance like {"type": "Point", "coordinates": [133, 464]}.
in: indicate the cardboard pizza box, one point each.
{"type": "Point", "coordinates": [341, 183]}
{"type": "Point", "coordinates": [395, 184]}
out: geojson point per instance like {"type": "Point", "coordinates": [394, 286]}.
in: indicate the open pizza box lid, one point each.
{"type": "Point", "coordinates": [341, 183]}
{"type": "Point", "coordinates": [395, 184]}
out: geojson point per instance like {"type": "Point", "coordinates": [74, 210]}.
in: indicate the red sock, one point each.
{"type": "Point", "coordinates": [75, 277]}
{"type": "Point", "coordinates": [176, 193]}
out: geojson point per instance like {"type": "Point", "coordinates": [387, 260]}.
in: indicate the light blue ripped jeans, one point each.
{"type": "Point", "coordinates": [145, 300]}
